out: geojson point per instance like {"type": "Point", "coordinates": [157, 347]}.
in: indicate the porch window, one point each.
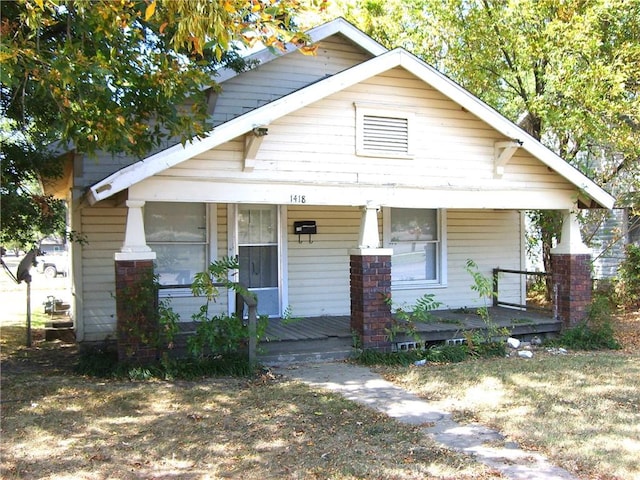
{"type": "Point", "coordinates": [383, 132]}
{"type": "Point", "coordinates": [416, 239]}
{"type": "Point", "coordinates": [177, 232]}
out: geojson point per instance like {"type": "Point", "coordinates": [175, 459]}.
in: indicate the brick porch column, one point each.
{"type": "Point", "coordinates": [370, 286]}
{"type": "Point", "coordinates": [136, 323]}
{"type": "Point", "coordinates": [571, 266]}
{"type": "Point", "coordinates": [370, 270]}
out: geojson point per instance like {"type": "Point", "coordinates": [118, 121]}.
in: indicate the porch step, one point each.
{"type": "Point", "coordinates": [59, 324]}
{"type": "Point", "coordinates": [67, 335]}
{"type": "Point", "coordinates": [281, 353]}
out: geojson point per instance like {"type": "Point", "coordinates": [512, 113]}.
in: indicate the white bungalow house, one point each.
{"type": "Point", "coordinates": [314, 163]}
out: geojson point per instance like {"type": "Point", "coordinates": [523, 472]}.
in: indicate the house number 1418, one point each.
{"type": "Point", "coordinates": [298, 199]}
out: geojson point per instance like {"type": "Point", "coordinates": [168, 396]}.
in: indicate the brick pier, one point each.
{"type": "Point", "coordinates": [571, 268]}
{"type": "Point", "coordinates": [370, 286]}
{"type": "Point", "coordinates": [136, 308]}
{"type": "Point", "coordinates": [572, 284]}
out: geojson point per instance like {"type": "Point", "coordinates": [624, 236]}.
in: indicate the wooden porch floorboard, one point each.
{"type": "Point", "coordinates": [446, 325]}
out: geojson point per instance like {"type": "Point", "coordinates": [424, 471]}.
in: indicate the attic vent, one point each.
{"type": "Point", "coordinates": [385, 134]}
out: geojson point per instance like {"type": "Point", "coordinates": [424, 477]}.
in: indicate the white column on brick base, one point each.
{"type": "Point", "coordinates": [135, 244]}
{"type": "Point", "coordinates": [571, 239]}
{"type": "Point", "coordinates": [369, 236]}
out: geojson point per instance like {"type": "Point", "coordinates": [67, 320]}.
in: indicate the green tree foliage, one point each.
{"type": "Point", "coordinates": [567, 71]}
{"type": "Point", "coordinates": [126, 76]}
{"type": "Point", "coordinates": [26, 212]}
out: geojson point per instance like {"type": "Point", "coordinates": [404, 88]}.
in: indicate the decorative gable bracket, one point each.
{"type": "Point", "coordinates": [502, 153]}
{"type": "Point", "coordinates": [252, 143]}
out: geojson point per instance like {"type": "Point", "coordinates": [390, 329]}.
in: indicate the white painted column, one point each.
{"type": "Point", "coordinates": [571, 239]}
{"type": "Point", "coordinates": [135, 244]}
{"type": "Point", "coordinates": [369, 236]}
{"type": "Point", "coordinates": [369, 240]}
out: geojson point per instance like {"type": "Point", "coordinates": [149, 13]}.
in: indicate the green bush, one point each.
{"type": "Point", "coordinates": [627, 284]}
{"type": "Point", "coordinates": [375, 357]}
{"type": "Point", "coordinates": [436, 353]}
{"type": "Point", "coordinates": [595, 332]}
{"type": "Point", "coordinates": [103, 363]}
{"type": "Point", "coordinates": [219, 334]}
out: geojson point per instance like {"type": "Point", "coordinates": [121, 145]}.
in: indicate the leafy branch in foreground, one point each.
{"type": "Point", "coordinates": [404, 318]}
{"type": "Point", "coordinates": [121, 77]}
{"type": "Point", "coordinates": [219, 333]}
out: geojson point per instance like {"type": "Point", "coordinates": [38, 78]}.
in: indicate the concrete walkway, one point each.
{"type": "Point", "coordinates": [488, 446]}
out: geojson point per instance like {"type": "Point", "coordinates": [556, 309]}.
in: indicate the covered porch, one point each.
{"type": "Point", "coordinates": [331, 337]}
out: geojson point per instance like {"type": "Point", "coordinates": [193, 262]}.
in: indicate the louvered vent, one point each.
{"type": "Point", "coordinates": [385, 134]}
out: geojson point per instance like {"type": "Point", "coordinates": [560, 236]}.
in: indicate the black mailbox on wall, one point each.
{"type": "Point", "coordinates": [305, 227]}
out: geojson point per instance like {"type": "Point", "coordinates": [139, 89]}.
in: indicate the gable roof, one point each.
{"type": "Point", "coordinates": [266, 114]}
{"type": "Point", "coordinates": [316, 34]}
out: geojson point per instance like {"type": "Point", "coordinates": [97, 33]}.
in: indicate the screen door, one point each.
{"type": "Point", "coordinates": [258, 254]}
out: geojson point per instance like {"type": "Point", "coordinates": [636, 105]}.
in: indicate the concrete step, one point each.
{"type": "Point", "coordinates": [67, 335]}
{"type": "Point", "coordinates": [311, 351]}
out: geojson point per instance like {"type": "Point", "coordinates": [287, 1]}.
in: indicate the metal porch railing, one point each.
{"type": "Point", "coordinates": [496, 289]}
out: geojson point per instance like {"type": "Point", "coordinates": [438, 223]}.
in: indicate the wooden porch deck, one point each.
{"type": "Point", "coordinates": [330, 337]}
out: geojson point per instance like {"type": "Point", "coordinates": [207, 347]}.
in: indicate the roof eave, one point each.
{"type": "Point", "coordinates": [509, 129]}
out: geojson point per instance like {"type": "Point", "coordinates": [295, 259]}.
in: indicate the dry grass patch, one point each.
{"type": "Point", "coordinates": [56, 425]}
{"type": "Point", "coordinates": [627, 328]}
{"type": "Point", "coordinates": [579, 409]}
{"type": "Point", "coordinates": [69, 427]}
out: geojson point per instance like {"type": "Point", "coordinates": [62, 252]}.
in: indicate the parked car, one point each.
{"type": "Point", "coordinates": [53, 263]}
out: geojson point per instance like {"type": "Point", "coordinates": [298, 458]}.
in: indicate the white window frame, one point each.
{"type": "Point", "coordinates": [233, 250]}
{"type": "Point", "coordinates": [441, 274]}
{"type": "Point", "coordinates": [210, 244]}
{"type": "Point", "coordinates": [388, 111]}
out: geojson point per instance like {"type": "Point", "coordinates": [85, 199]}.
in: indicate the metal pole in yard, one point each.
{"type": "Point", "coordinates": [29, 313]}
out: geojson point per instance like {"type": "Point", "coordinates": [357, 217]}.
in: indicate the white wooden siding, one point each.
{"type": "Point", "coordinates": [314, 148]}
{"type": "Point", "coordinates": [607, 252]}
{"type": "Point", "coordinates": [246, 92]}
{"type": "Point", "coordinates": [318, 272]}
{"type": "Point", "coordinates": [104, 227]}
{"type": "Point", "coordinates": [491, 238]}
{"type": "Point", "coordinates": [284, 75]}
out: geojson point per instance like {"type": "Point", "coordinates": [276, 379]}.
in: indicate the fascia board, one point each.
{"type": "Point", "coordinates": [264, 115]}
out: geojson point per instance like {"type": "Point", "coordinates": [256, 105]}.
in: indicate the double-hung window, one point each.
{"type": "Point", "coordinates": [415, 235]}
{"type": "Point", "coordinates": [177, 232]}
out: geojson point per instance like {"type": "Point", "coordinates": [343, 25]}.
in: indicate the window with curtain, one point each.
{"type": "Point", "coordinates": [414, 235]}
{"type": "Point", "coordinates": [177, 232]}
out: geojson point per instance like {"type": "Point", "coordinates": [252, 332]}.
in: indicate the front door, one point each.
{"type": "Point", "coordinates": [258, 255]}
